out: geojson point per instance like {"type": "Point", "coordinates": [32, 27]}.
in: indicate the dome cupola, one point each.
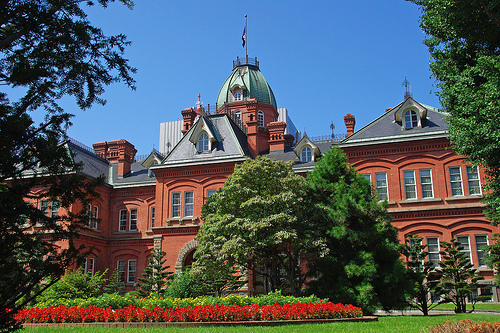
{"type": "Point", "coordinates": [246, 82]}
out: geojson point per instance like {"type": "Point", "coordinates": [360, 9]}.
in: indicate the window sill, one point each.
{"type": "Point", "coordinates": [389, 202]}
{"type": "Point", "coordinates": [413, 201]}
{"type": "Point", "coordinates": [182, 220]}
{"type": "Point", "coordinates": [484, 269]}
{"type": "Point", "coordinates": [126, 232]}
{"type": "Point", "coordinates": [464, 197]}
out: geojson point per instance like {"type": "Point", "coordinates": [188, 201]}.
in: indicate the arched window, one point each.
{"type": "Point", "coordinates": [411, 119]}
{"type": "Point", "coordinates": [306, 154]}
{"type": "Point", "coordinates": [203, 142]}
{"type": "Point", "coordinates": [260, 118]}
{"type": "Point", "coordinates": [237, 95]}
{"type": "Point", "coordinates": [237, 115]}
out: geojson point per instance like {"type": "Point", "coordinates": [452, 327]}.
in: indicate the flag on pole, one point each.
{"type": "Point", "coordinates": [244, 37]}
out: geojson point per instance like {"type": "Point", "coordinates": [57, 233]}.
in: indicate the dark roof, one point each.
{"type": "Point", "coordinates": [289, 155]}
{"type": "Point", "coordinates": [93, 165]}
{"type": "Point", "coordinates": [385, 128]}
{"type": "Point", "coordinates": [232, 144]}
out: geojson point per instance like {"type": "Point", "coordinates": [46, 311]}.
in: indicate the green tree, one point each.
{"type": "Point", "coordinates": [48, 50]}
{"type": "Point", "coordinates": [463, 38]}
{"type": "Point", "coordinates": [421, 273]}
{"type": "Point", "coordinates": [262, 221]}
{"type": "Point", "coordinates": [458, 276]}
{"type": "Point", "coordinates": [113, 286]}
{"type": "Point", "coordinates": [185, 285]}
{"type": "Point", "coordinates": [76, 284]}
{"type": "Point", "coordinates": [362, 266]}
{"type": "Point", "coordinates": [155, 276]}
{"type": "Point", "coordinates": [214, 269]}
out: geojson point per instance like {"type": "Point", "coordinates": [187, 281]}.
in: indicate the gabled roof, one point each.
{"type": "Point", "coordinates": [289, 154]}
{"type": "Point", "coordinates": [231, 144]}
{"type": "Point", "coordinates": [155, 157]}
{"type": "Point", "coordinates": [306, 142]}
{"type": "Point", "coordinates": [387, 128]}
{"type": "Point", "coordinates": [204, 124]}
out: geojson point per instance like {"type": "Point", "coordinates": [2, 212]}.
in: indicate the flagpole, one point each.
{"type": "Point", "coordinates": [246, 41]}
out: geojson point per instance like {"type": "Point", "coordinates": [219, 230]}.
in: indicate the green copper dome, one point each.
{"type": "Point", "coordinates": [248, 81]}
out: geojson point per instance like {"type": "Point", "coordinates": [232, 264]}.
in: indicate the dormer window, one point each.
{"type": "Point", "coordinates": [306, 150]}
{"type": "Point", "coordinates": [260, 118]}
{"type": "Point", "coordinates": [411, 119]}
{"type": "Point", "coordinates": [238, 94]}
{"type": "Point", "coordinates": [203, 144]}
{"type": "Point", "coordinates": [306, 154]}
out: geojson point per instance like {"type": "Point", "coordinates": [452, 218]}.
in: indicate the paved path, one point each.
{"type": "Point", "coordinates": [434, 312]}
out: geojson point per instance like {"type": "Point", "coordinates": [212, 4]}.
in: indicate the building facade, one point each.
{"type": "Point", "coordinates": [155, 201]}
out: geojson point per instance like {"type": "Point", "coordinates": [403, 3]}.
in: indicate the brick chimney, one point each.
{"type": "Point", "coordinates": [120, 151]}
{"type": "Point", "coordinates": [349, 123]}
{"type": "Point", "coordinates": [276, 135]}
{"type": "Point", "coordinates": [252, 126]}
{"type": "Point", "coordinates": [101, 149]}
{"type": "Point", "coordinates": [189, 116]}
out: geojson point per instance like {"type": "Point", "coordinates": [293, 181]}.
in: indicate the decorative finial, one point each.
{"type": "Point", "coordinates": [332, 127]}
{"type": "Point", "coordinates": [407, 86]}
{"type": "Point", "coordinates": [199, 104]}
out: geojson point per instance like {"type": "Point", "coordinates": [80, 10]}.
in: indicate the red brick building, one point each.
{"type": "Point", "coordinates": [155, 202]}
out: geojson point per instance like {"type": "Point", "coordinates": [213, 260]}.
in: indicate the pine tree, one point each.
{"type": "Point", "coordinates": [459, 277]}
{"type": "Point", "coordinates": [422, 274]}
{"type": "Point", "coordinates": [155, 276]}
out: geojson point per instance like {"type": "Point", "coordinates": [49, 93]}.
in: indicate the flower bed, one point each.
{"type": "Point", "coordinates": [116, 301]}
{"type": "Point", "coordinates": [202, 313]}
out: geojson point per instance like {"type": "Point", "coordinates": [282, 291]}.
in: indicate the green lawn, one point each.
{"type": "Point", "coordinates": [410, 324]}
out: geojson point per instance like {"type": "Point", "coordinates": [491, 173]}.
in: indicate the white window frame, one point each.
{"type": "Point", "coordinates": [382, 189]}
{"type": "Point", "coordinates": [54, 209]}
{"type": "Point", "coordinates": [88, 266]}
{"type": "Point", "coordinates": [91, 266]}
{"type": "Point", "coordinates": [44, 207]}
{"type": "Point", "coordinates": [465, 245]}
{"type": "Point", "coordinates": [152, 216]}
{"type": "Point", "coordinates": [306, 154]}
{"type": "Point", "coordinates": [260, 119]}
{"type": "Point", "coordinates": [176, 204]}
{"type": "Point", "coordinates": [426, 185]}
{"type": "Point", "coordinates": [203, 143]}
{"type": "Point", "coordinates": [472, 172]}
{"type": "Point", "coordinates": [433, 249]}
{"type": "Point", "coordinates": [237, 115]}
{"type": "Point", "coordinates": [122, 220]}
{"type": "Point", "coordinates": [120, 269]}
{"type": "Point", "coordinates": [237, 95]}
{"type": "Point", "coordinates": [133, 219]}
{"type": "Point", "coordinates": [368, 176]}
{"type": "Point", "coordinates": [480, 253]}
{"type": "Point", "coordinates": [132, 268]}
{"type": "Point", "coordinates": [456, 178]}
{"type": "Point", "coordinates": [411, 119]}
{"type": "Point", "coordinates": [95, 216]}
{"type": "Point", "coordinates": [410, 184]}
{"type": "Point", "coordinates": [188, 203]}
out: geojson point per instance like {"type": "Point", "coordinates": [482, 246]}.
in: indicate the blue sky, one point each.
{"type": "Point", "coordinates": [323, 59]}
